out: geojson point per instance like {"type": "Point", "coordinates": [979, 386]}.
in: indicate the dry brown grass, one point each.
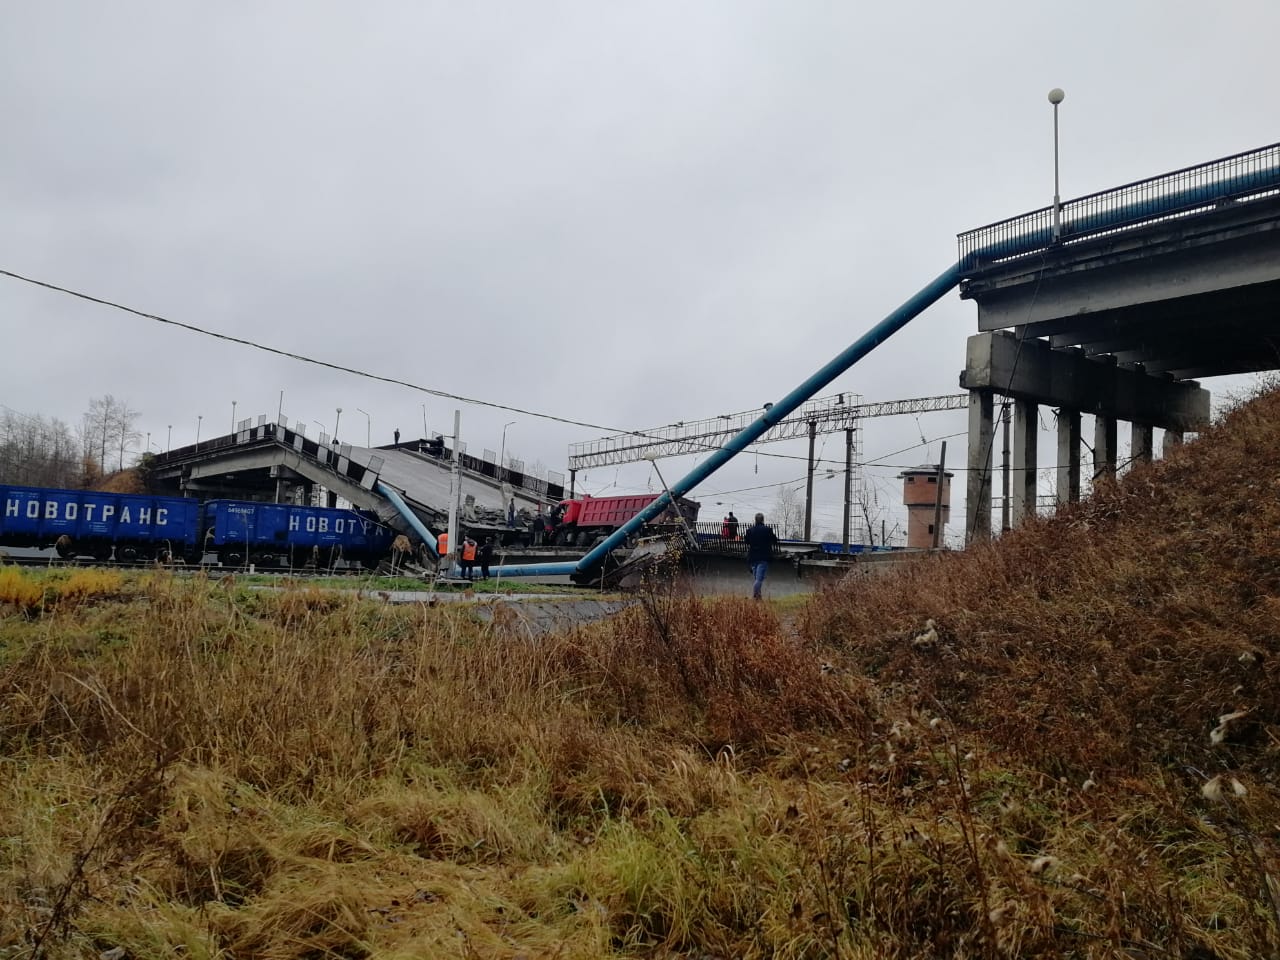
{"type": "Point", "coordinates": [1113, 634]}
{"type": "Point", "coordinates": [205, 770]}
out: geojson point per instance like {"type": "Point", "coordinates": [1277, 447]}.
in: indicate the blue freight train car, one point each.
{"type": "Point", "coordinates": [87, 523]}
{"type": "Point", "coordinates": [242, 532]}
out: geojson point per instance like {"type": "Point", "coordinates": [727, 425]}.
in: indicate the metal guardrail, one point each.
{"type": "Point", "coordinates": [712, 535]}
{"type": "Point", "coordinates": [1177, 194]}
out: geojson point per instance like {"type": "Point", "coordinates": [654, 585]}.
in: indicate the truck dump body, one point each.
{"type": "Point", "coordinates": [611, 511]}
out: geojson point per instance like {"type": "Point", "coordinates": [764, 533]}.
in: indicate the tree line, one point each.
{"type": "Point", "coordinates": [44, 451]}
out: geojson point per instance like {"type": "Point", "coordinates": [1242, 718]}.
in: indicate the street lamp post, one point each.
{"type": "Point", "coordinates": [1056, 96]}
{"type": "Point", "coordinates": [424, 422]}
{"type": "Point", "coordinates": [199, 420]}
{"type": "Point", "coordinates": [368, 427]}
{"type": "Point", "coordinates": [233, 416]}
{"type": "Point", "coordinates": [502, 469]}
{"type": "Point", "coordinates": [336, 421]}
{"type": "Point", "coordinates": [168, 444]}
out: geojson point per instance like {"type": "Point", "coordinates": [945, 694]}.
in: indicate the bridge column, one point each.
{"type": "Point", "coordinates": [977, 505]}
{"type": "Point", "coordinates": [1172, 438]}
{"type": "Point", "coordinates": [1068, 456]}
{"type": "Point", "coordinates": [1104, 447]}
{"type": "Point", "coordinates": [1142, 442]}
{"type": "Point", "coordinates": [1026, 421]}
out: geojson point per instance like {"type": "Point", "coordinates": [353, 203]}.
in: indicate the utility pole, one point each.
{"type": "Point", "coordinates": [808, 488]}
{"type": "Point", "coordinates": [937, 498]}
{"type": "Point", "coordinates": [848, 484]}
{"type": "Point", "coordinates": [455, 496]}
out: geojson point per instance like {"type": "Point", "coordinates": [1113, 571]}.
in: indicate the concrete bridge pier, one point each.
{"type": "Point", "coordinates": [1032, 372]}
{"type": "Point", "coordinates": [978, 477]}
{"type": "Point", "coordinates": [1068, 486]}
{"type": "Point", "coordinates": [1026, 431]}
{"type": "Point", "coordinates": [1105, 438]}
{"type": "Point", "coordinates": [1142, 442]}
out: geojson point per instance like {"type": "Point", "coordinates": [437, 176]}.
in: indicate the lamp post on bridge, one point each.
{"type": "Point", "coordinates": [337, 420]}
{"type": "Point", "coordinates": [199, 420]}
{"type": "Point", "coordinates": [368, 427]}
{"type": "Point", "coordinates": [233, 416]}
{"type": "Point", "coordinates": [502, 470]}
{"type": "Point", "coordinates": [1056, 96]}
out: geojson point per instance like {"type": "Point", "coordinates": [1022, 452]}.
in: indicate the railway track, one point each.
{"type": "Point", "coordinates": [210, 569]}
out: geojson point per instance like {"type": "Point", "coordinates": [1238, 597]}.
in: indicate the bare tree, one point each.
{"type": "Point", "coordinates": [109, 426]}
{"type": "Point", "coordinates": [37, 452]}
{"type": "Point", "coordinates": [788, 514]}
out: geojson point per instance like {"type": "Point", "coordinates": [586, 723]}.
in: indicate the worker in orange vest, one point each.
{"type": "Point", "coordinates": [442, 544]}
{"type": "Point", "coordinates": [468, 557]}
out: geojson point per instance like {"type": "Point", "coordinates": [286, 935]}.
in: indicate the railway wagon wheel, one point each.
{"type": "Point", "coordinates": [65, 547]}
{"type": "Point", "coordinates": [101, 552]}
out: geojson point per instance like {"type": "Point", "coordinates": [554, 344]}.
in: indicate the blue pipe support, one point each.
{"type": "Point", "coordinates": [757, 428]}
{"type": "Point", "coordinates": [410, 517]}
{"type": "Point", "coordinates": [565, 569]}
{"type": "Point", "coordinates": [1029, 242]}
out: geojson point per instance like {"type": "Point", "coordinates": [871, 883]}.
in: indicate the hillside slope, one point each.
{"type": "Point", "coordinates": [1117, 631]}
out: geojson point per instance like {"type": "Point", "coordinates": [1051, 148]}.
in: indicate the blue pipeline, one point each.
{"type": "Point", "coordinates": [1082, 224]}
{"type": "Point", "coordinates": [525, 570]}
{"type": "Point", "coordinates": [410, 517]}
{"type": "Point", "coordinates": [757, 428]}
{"type": "Point", "coordinates": [1026, 243]}
{"type": "Point", "coordinates": [537, 569]}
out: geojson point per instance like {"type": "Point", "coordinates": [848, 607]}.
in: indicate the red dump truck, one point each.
{"type": "Point", "coordinates": [583, 521]}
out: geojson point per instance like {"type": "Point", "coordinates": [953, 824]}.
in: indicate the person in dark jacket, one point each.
{"type": "Point", "coordinates": [485, 556]}
{"type": "Point", "coordinates": [760, 541]}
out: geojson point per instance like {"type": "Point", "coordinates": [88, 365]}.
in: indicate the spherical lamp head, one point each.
{"type": "Point", "coordinates": [1056, 96]}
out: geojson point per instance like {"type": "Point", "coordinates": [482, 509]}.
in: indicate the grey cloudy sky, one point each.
{"type": "Point", "coordinates": [628, 214]}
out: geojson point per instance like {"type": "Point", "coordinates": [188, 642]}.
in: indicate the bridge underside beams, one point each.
{"type": "Point", "coordinates": [1033, 370]}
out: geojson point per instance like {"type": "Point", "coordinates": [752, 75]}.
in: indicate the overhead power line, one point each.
{"type": "Point", "coordinates": [381, 378]}
{"type": "Point", "coordinates": [342, 368]}
{"type": "Point", "coordinates": [302, 358]}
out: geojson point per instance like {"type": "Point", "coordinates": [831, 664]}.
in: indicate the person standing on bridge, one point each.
{"type": "Point", "coordinates": [760, 541]}
{"type": "Point", "coordinates": [730, 529]}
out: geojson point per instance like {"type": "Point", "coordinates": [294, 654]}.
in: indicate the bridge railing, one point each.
{"type": "Point", "coordinates": [1191, 189]}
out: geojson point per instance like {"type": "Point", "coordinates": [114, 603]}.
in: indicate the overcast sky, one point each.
{"type": "Point", "coordinates": [625, 214]}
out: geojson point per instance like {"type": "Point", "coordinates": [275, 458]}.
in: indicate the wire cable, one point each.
{"type": "Point", "coordinates": [381, 378]}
